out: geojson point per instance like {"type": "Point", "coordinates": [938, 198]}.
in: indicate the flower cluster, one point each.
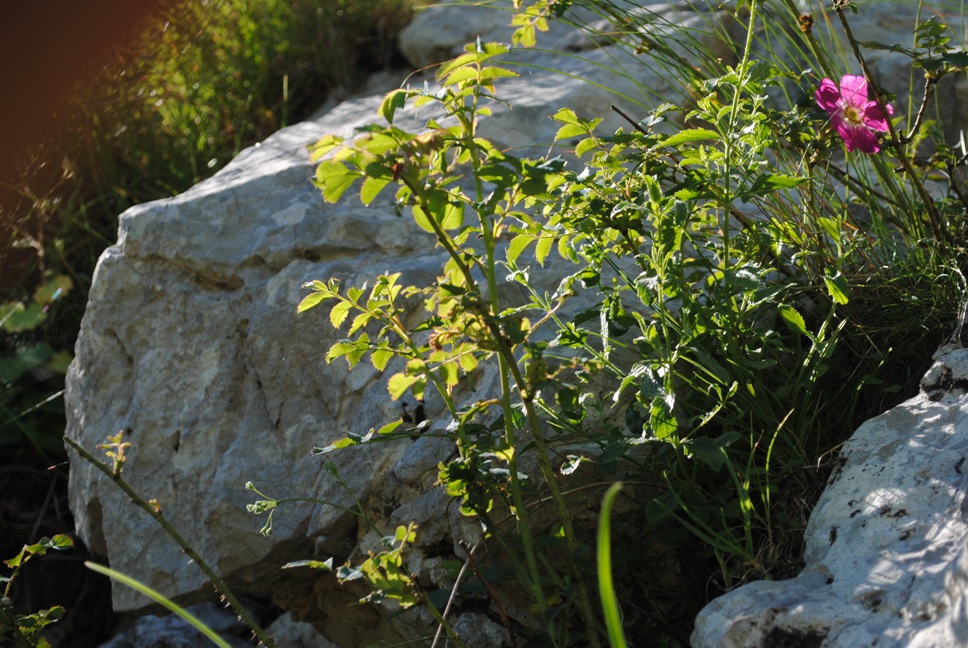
{"type": "Point", "coordinates": [855, 117]}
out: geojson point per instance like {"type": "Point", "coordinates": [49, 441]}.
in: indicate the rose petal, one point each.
{"type": "Point", "coordinates": [874, 117]}
{"type": "Point", "coordinates": [853, 89]}
{"type": "Point", "coordinates": [828, 96]}
{"type": "Point", "coordinates": [858, 137]}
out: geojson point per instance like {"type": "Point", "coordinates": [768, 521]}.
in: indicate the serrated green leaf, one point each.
{"type": "Point", "coordinates": [390, 427]}
{"type": "Point", "coordinates": [340, 349]}
{"type": "Point", "coordinates": [495, 72]}
{"type": "Point", "coordinates": [417, 389]}
{"type": "Point", "coordinates": [399, 383]}
{"type": "Point", "coordinates": [524, 36]}
{"type": "Point", "coordinates": [518, 245]}
{"type": "Point", "coordinates": [543, 248]}
{"type": "Point", "coordinates": [690, 135]}
{"type": "Point", "coordinates": [380, 358]}
{"type": "Point", "coordinates": [333, 179]}
{"type": "Point", "coordinates": [794, 319]}
{"type": "Point", "coordinates": [323, 146]}
{"type": "Point", "coordinates": [468, 362]}
{"type": "Point", "coordinates": [361, 348]}
{"type": "Point", "coordinates": [393, 101]}
{"type": "Point", "coordinates": [456, 63]}
{"type": "Point", "coordinates": [585, 146]}
{"type": "Point", "coordinates": [421, 219]}
{"type": "Point", "coordinates": [361, 320]}
{"type": "Point", "coordinates": [354, 293]}
{"type": "Point", "coordinates": [564, 248]}
{"type": "Point", "coordinates": [570, 130]}
{"type": "Point", "coordinates": [377, 144]}
{"type": "Point", "coordinates": [566, 116]}
{"type": "Point", "coordinates": [767, 183]}
{"type": "Point", "coordinates": [339, 313]}
{"type": "Point", "coordinates": [310, 300]}
{"type": "Point", "coordinates": [460, 74]}
{"type": "Point", "coordinates": [60, 542]}
{"type": "Point", "coordinates": [838, 288]}
{"type": "Point", "coordinates": [453, 216]}
{"type": "Point", "coordinates": [449, 373]}
{"type": "Point", "coordinates": [371, 189]}
{"type": "Point", "coordinates": [662, 422]}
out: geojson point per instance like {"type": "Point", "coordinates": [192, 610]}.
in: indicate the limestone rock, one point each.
{"type": "Point", "coordinates": [192, 345]}
{"type": "Point", "coordinates": [171, 631]}
{"type": "Point", "coordinates": [887, 546]}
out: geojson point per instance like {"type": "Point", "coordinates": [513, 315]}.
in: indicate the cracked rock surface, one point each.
{"type": "Point", "coordinates": [887, 546]}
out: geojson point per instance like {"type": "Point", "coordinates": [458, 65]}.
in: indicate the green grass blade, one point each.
{"type": "Point", "coordinates": [613, 616]}
{"type": "Point", "coordinates": [159, 598]}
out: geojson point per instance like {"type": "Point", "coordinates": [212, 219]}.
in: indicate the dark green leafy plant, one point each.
{"type": "Point", "coordinates": [467, 321]}
{"type": "Point", "coordinates": [24, 357]}
{"type": "Point", "coordinates": [25, 630]}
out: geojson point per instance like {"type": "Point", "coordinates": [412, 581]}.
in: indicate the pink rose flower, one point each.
{"type": "Point", "coordinates": [853, 115]}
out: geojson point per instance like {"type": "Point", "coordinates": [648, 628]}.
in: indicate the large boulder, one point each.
{"type": "Point", "coordinates": [887, 545]}
{"type": "Point", "coordinates": [192, 345]}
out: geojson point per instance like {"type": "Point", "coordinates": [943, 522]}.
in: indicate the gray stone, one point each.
{"type": "Point", "coordinates": [887, 545]}
{"type": "Point", "coordinates": [172, 631]}
{"type": "Point", "coordinates": [478, 631]}
{"type": "Point", "coordinates": [289, 633]}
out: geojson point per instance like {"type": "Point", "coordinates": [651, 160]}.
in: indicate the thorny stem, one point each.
{"type": "Point", "coordinates": [155, 513]}
{"type": "Point", "coordinates": [508, 368]}
{"type": "Point", "coordinates": [929, 85]}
